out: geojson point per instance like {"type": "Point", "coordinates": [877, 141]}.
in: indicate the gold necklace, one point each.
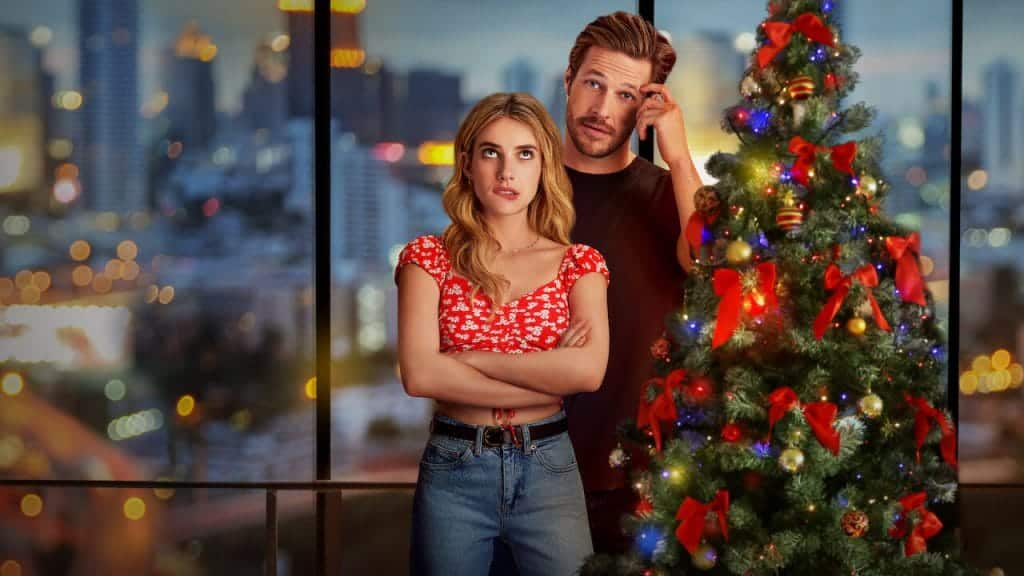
{"type": "Point", "coordinates": [527, 247]}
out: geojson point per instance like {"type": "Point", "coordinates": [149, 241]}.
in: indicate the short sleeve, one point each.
{"type": "Point", "coordinates": [583, 260]}
{"type": "Point", "coordinates": [428, 253]}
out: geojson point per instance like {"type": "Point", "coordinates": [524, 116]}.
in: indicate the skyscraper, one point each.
{"type": "Point", "coordinates": [520, 76]}
{"type": "Point", "coordinates": [346, 50]}
{"type": "Point", "coordinates": [108, 142]}
{"type": "Point", "coordinates": [188, 78]}
{"type": "Point", "coordinates": [1002, 134]}
{"type": "Point", "coordinates": [432, 107]}
{"type": "Point", "coordinates": [22, 121]}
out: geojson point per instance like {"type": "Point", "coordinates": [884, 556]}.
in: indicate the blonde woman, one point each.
{"type": "Point", "coordinates": [500, 318]}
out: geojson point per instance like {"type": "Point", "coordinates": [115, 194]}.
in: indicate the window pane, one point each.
{"type": "Point", "coordinates": [155, 275]}
{"type": "Point", "coordinates": [59, 531]}
{"type": "Point", "coordinates": [992, 343]}
{"type": "Point", "coordinates": [405, 72]}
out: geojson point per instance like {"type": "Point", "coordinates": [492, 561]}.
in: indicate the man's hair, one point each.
{"type": "Point", "coordinates": [629, 34]}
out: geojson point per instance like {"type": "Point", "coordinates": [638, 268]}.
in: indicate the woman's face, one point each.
{"type": "Point", "coordinates": [504, 167]}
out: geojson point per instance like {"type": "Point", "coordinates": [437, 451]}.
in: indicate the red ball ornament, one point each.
{"type": "Point", "coordinates": [731, 432]}
{"type": "Point", "coordinates": [831, 82]}
{"type": "Point", "coordinates": [699, 389]}
{"type": "Point", "coordinates": [854, 523]}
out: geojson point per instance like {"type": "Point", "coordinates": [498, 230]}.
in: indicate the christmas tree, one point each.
{"type": "Point", "coordinates": [794, 425]}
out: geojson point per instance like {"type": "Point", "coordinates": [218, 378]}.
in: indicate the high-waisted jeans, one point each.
{"type": "Point", "coordinates": [471, 498]}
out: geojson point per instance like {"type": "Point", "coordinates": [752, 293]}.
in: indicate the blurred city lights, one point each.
{"type": "Point", "coordinates": [31, 505]}
{"type": "Point", "coordinates": [343, 6]}
{"type": "Point", "coordinates": [17, 225]}
{"type": "Point", "coordinates": [12, 383]}
{"type": "Point", "coordinates": [977, 180]}
{"type": "Point", "coordinates": [347, 57]}
{"type": "Point", "coordinates": [114, 390]}
{"type": "Point", "coordinates": [134, 508]}
{"type": "Point", "coordinates": [437, 153]}
{"type": "Point", "coordinates": [186, 404]}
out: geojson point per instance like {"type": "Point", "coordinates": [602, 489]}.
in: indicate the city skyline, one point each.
{"type": "Point", "coordinates": [893, 69]}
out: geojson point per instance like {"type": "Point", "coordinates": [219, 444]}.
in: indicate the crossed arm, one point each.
{"type": "Point", "coordinates": [491, 379]}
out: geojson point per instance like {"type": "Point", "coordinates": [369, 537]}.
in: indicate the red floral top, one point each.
{"type": "Point", "coordinates": [532, 322]}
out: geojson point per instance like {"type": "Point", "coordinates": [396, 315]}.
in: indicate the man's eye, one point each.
{"type": "Point", "coordinates": [628, 96]}
{"type": "Point", "coordinates": [592, 83]}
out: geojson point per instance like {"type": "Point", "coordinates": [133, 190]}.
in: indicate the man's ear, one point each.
{"type": "Point", "coordinates": [567, 81]}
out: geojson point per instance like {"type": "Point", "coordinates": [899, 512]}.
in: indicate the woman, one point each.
{"type": "Point", "coordinates": [484, 329]}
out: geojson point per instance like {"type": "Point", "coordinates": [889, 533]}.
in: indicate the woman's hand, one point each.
{"type": "Point", "coordinates": [575, 336]}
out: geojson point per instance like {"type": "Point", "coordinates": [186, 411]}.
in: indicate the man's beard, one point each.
{"type": "Point", "coordinates": [589, 147]}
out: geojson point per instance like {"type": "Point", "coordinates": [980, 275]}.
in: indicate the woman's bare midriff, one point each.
{"type": "Point", "coordinates": [485, 416]}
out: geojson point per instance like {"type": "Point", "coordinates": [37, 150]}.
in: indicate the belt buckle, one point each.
{"type": "Point", "coordinates": [494, 436]}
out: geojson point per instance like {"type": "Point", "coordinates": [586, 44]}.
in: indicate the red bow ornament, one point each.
{"type": "Point", "coordinates": [691, 515]}
{"type": "Point", "coordinates": [927, 525]}
{"type": "Point", "coordinates": [728, 286]}
{"type": "Point", "coordinates": [780, 33]}
{"type": "Point", "coordinates": [924, 415]}
{"type": "Point", "coordinates": [835, 281]}
{"type": "Point", "coordinates": [820, 416]}
{"type": "Point", "coordinates": [842, 158]}
{"type": "Point", "coordinates": [904, 252]}
{"type": "Point", "coordinates": [662, 408]}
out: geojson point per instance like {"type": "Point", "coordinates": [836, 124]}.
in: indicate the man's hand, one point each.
{"type": "Point", "coordinates": [660, 110]}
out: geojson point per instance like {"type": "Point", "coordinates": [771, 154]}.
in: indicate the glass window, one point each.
{"type": "Point", "coordinates": [405, 73]}
{"type": "Point", "coordinates": [155, 276]}
{"type": "Point", "coordinates": [992, 343]}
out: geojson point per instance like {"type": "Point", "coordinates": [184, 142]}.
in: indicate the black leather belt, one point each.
{"type": "Point", "coordinates": [495, 436]}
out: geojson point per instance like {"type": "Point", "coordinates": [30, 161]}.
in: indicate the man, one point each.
{"type": "Point", "coordinates": [633, 212]}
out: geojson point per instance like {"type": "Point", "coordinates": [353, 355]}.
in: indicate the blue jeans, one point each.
{"type": "Point", "coordinates": [471, 498]}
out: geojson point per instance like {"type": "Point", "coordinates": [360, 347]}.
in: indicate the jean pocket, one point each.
{"type": "Point", "coordinates": [556, 456]}
{"type": "Point", "coordinates": [444, 453]}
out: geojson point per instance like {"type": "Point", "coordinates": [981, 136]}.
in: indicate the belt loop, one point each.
{"type": "Point", "coordinates": [527, 443]}
{"type": "Point", "coordinates": [478, 444]}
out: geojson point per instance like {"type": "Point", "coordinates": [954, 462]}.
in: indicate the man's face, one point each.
{"type": "Point", "coordinates": [603, 99]}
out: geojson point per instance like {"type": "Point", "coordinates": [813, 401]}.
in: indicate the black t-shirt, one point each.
{"type": "Point", "coordinates": [630, 217]}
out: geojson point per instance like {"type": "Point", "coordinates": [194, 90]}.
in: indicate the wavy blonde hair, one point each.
{"type": "Point", "coordinates": [467, 239]}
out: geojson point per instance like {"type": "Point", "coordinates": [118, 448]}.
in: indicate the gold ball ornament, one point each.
{"type": "Point", "coordinates": [738, 252]}
{"type": "Point", "coordinates": [800, 88]}
{"type": "Point", "coordinates": [871, 405]}
{"type": "Point", "coordinates": [867, 185]}
{"type": "Point", "coordinates": [706, 557]}
{"type": "Point", "coordinates": [854, 523]}
{"type": "Point", "coordinates": [791, 460]}
{"type": "Point", "coordinates": [856, 326]}
{"type": "Point", "coordinates": [997, 571]}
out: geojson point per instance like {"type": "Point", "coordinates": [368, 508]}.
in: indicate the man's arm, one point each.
{"type": "Point", "coordinates": [560, 371]}
{"type": "Point", "coordinates": [662, 112]}
{"type": "Point", "coordinates": [429, 374]}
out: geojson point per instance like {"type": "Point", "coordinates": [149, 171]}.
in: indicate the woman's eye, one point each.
{"type": "Point", "coordinates": [489, 153]}
{"type": "Point", "coordinates": [526, 154]}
